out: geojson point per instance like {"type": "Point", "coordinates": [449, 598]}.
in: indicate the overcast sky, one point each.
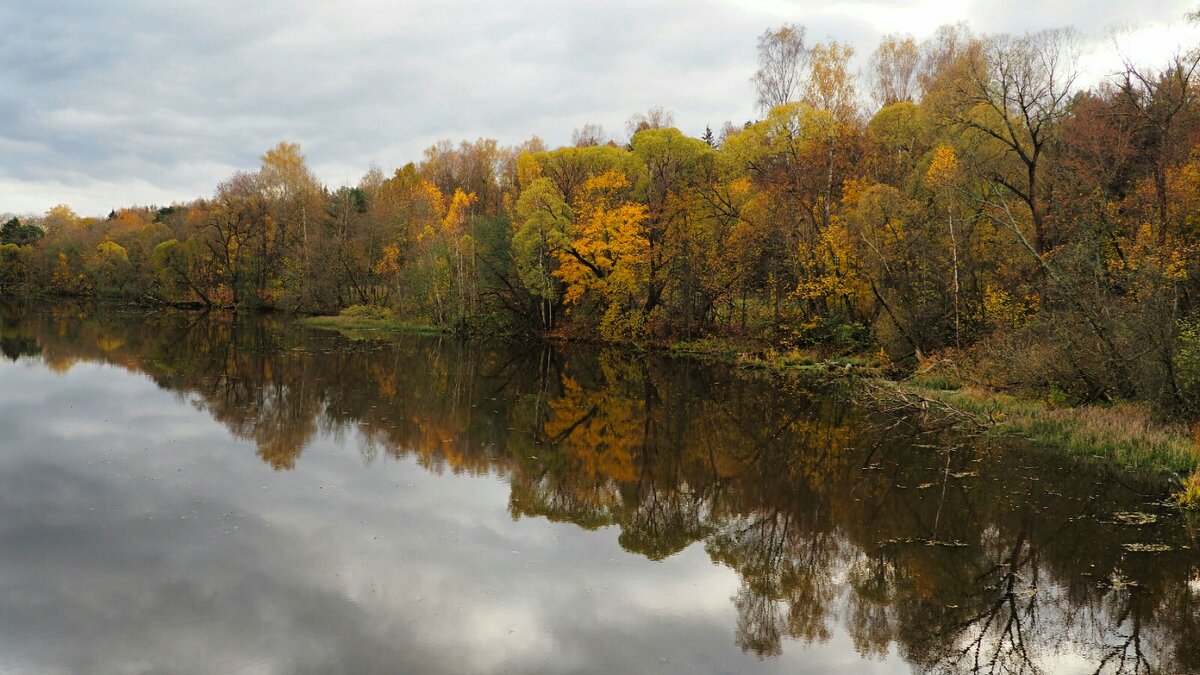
{"type": "Point", "coordinates": [120, 102]}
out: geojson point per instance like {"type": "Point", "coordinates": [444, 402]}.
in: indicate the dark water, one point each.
{"type": "Point", "coordinates": [190, 493]}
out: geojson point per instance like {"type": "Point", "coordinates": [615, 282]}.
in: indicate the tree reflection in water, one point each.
{"type": "Point", "coordinates": [961, 557]}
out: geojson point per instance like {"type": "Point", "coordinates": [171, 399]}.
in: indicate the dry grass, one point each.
{"type": "Point", "coordinates": [1125, 433]}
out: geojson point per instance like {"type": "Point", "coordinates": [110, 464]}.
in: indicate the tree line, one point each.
{"type": "Point", "coordinates": [985, 204]}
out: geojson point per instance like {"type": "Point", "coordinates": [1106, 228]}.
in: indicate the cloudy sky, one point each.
{"type": "Point", "coordinates": [106, 104]}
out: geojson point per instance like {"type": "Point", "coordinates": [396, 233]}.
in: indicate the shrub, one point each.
{"type": "Point", "coordinates": [1188, 496]}
{"type": "Point", "coordinates": [1187, 361]}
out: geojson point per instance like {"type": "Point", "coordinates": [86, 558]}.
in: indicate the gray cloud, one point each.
{"type": "Point", "coordinates": [127, 101]}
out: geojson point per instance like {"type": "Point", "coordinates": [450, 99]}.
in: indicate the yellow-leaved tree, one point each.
{"type": "Point", "coordinates": [608, 254]}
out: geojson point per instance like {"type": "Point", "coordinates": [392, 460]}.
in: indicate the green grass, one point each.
{"type": "Point", "coordinates": [717, 349]}
{"type": "Point", "coordinates": [780, 361]}
{"type": "Point", "coordinates": [365, 327]}
{"type": "Point", "coordinates": [807, 363]}
{"type": "Point", "coordinates": [936, 383]}
{"type": "Point", "coordinates": [754, 357]}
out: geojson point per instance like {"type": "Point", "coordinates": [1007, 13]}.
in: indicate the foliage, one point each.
{"type": "Point", "coordinates": [1187, 361]}
{"type": "Point", "coordinates": [1188, 496]}
{"type": "Point", "coordinates": [18, 234]}
{"type": "Point", "coordinates": [989, 209]}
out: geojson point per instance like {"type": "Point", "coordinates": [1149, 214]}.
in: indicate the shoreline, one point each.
{"type": "Point", "coordinates": [1123, 433]}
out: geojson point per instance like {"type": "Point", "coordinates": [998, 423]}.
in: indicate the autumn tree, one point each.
{"type": "Point", "coordinates": [61, 219]}
{"type": "Point", "coordinates": [830, 83]}
{"type": "Point", "coordinates": [797, 159]}
{"type": "Point", "coordinates": [942, 176]}
{"type": "Point", "coordinates": [232, 228]}
{"type": "Point", "coordinates": [294, 202]}
{"type": "Point", "coordinates": [898, 139]}
{"type": "Point", "coordinates": [941, 58]}
{"type": "Point", "coordinates": [607, 254]}
{"type": "Point", "coordinates": [1015, 92]}
{"type": "Point", "coordinates": [516, 169]}
{"type": "Point", "coordinates": [187, 271]}
{"type": "Point", "coordinates": [543, 223]}
{"type": "Point", "coordinates": [1162, 106]}
{"type": "Point", "coordinates": [403, 208]}
{"type": "Point", "coordinates": [672, 220]}
{"type": "Point", "coordinates": [352, 247]}
{"type": "Point", "coordinates": [472, 167]}
{"type": "Point", "coordinates": [13, 267]}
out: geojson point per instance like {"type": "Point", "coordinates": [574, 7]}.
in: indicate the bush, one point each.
{"type": "Point", "coordinates": [620, 325]}
{"type": "Point", "coordinates": [1188, 496]}
{"type": "Point", "coordinates": [1187, 362]}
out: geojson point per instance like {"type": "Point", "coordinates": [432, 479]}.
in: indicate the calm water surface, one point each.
{"type": "Point", "coordinates": [210, 494]}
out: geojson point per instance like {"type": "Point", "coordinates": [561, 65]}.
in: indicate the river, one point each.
{"type": "Point", "coordinates": [208, 493]}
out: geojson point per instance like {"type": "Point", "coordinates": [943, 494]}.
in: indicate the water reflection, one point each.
{"type": "Point", "coordinates": [847, 533]}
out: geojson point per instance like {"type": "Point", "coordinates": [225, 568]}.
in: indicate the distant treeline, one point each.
{"type": "Point", "coordinates": [989, 206]}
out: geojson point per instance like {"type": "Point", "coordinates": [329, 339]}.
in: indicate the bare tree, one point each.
{"type": "Point", "coordinates": [938, 52]}
{"type": "Point", "coordinates": [729, 130]}
{"type": "Point", "coordinates": [654, 118]}
{"type": "Point", "coordinates": [893, 70]}
{"type": "Point", "coordinates": [782, 65]}
{"type": "Point", "coordinates": [588, 135]}
{"type": "Point", "coordinates": [1023, 85]}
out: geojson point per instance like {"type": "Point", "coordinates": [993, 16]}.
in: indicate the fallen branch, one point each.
{"type": "Point", "coordinates": [895, 398]}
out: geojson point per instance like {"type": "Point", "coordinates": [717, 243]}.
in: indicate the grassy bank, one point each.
{"type": "Point", "coordinates": [360, 322]}
{"type": "Point", "coordinates": [770, 359]}
{"type": "Point", "coordinates": [1125, 433]}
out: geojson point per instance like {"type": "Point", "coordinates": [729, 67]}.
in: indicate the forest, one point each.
{"type": "Point", "coordinates": [964, 198]}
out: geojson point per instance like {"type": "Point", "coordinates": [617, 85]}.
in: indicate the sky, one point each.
{"type": "Point", "coordinates": [123, 102]}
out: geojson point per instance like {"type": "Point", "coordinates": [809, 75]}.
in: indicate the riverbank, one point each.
{"type": "Point", "coordinates": [342, 323]}
{"type": "Point", "coordinates": [364, 322]}
{"type": "Point", "coordinates": [1123, 433]}
{"type": "Point", "coordinates": [774, 360]}
{"type": "Point", "coordinates": [1126, 434]}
